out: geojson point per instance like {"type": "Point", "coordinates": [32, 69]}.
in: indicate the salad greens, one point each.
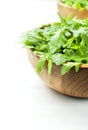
{"type": "Point", "coordinates": [63, 43]}
{"type": "Point", "coordinates": [78, 4]}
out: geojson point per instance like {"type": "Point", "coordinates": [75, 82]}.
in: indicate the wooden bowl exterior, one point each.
{"type": "Point", "coordinates": [67, 10]}
{"type": "Point", "coordinates": [72, 84]}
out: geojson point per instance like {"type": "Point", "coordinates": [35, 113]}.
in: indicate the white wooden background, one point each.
{"type": "Point", "coordinates": [25, 102]}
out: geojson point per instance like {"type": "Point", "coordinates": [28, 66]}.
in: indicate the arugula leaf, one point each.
{"type": "Point", "coordinates": [63, 20]}
{"type": "Point", "coordinates": [41, 63]}
{"type": "Point", "coordinates": [66, 67]}
{"type": "Point", "coordinates": [49, 66]}
{"type": "Point", "coordinates": [78, 4]}
{"type": "Point", "coordinates": [64, 43]}
{"type": "Point", "coordinates": [59, 59]}
{"type": "Point", "coordinates": [54, 43]}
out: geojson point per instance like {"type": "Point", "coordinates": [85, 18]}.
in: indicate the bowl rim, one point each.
{"type": "Point", "coordinates": [84, 66]}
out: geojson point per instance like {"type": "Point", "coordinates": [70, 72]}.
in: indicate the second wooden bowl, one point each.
{"type": "Point", "coordinates": [73, 84]}
{"type": "Point", "coordinates": [67, 10]}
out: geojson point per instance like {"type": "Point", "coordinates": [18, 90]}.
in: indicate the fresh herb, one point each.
{"type": "Point", "coordinates": [64, 44]}
{"type": "Point", "coordinates": [78, 4]}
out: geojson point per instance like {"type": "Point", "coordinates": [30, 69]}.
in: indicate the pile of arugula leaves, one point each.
{"type": "Point", "coordinates": [64, 44]}
{"type": "Point", "coordinates": [78, 4]}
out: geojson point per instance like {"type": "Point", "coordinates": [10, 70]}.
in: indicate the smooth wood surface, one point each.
{"type": "Point", "coordinates": [72, 84]}
{"type": "Point", "coordinates": [67, 10]}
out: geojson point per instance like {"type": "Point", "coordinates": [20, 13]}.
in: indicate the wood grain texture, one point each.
{"type": "Point", "coordinates": [67, 10]}
{"type": "Point", "coordinates": [72, 84]}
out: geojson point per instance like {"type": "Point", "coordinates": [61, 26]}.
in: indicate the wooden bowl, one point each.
{"type": "Point", "coordinates": [72, 84]}
{"type": "Point", "coordinates": [67, 10]}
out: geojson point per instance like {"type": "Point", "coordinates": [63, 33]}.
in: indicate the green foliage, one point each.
{"type": "Point", "coordinates": [78, 4]}
{"type": "Point", "coordinates": [64, 43]}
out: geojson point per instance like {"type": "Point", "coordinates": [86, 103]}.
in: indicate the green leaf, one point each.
{"type": "Point", "coordinates": [63, 43]}
{"type": "Point", "coordinates": [77, 67]}
{"type": "Point", "coordinates": [63, 21]}
{"type": "Point", "coordinates": [54, 42]}
{"type": "Point", "coordinates": [59, 59]}
{"type": "Point", "coordinates": [66, 67]}
{"type": "Point", "coordinates": [41, 63]}
{"type": "Point", "coordinates": [78, 4]}
{"type": "Point", "coordinates": [49, 66]}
